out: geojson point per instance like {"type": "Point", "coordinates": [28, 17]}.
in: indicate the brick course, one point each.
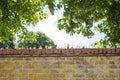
{"type": "Point", "coordinates": [60, 64]}
{"type": "Point", "coordinates": [62, 52]}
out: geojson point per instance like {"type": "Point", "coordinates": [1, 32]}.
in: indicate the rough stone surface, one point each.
{"type": "Point", "coordinates": [60, 64]}
{"type": "Point", "coordinates": [60, 68]}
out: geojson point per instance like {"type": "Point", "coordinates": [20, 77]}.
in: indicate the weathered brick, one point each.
{"type": "Point", "coordinates": [70, 66]}
{"type": "Point", "coordinates": [91, 75]}
{"type": "Point", "coordinates": [113, 66]}
{"type": "Point", "coordinates": [111, 62]}
{"type": "Point", "coordinates": [90, 66]}
{"type": "Point", "coordinates": [78, 75]}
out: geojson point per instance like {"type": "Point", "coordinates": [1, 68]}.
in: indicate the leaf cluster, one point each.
{"type": "Point", "coordinates": [79, 16]}
{"type": "Point", "coordinates": [32, 40]}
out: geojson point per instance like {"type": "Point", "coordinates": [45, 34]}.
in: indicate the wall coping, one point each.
{"type": "Point", "coordinates": [60, 52]}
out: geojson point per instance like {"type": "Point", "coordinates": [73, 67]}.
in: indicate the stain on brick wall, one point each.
{"type": "Point", "coordinates": [62, 64]}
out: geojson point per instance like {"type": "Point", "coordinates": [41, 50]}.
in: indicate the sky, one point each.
{"type": "Point", "coordinates": [60, 37]}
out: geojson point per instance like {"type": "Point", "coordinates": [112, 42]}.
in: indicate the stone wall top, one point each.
{"type": "Point", "coordinates": [61, 52]}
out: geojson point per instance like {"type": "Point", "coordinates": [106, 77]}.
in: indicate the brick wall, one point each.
{"type": "Point", "coordinates": [60, 64]}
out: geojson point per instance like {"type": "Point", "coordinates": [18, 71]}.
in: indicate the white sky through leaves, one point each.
{"type": "Point", "coordinates": [61, 38]}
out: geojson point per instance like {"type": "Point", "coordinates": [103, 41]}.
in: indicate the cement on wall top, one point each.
{"type": "Point", "coordinates": [61, 52]}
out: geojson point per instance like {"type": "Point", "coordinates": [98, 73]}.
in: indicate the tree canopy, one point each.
{"type": "Point", "coordinates": [8, 43]}
{"type": "Point", "coordinates": [32, 40]}
{"type": "Point", "coordinates": [78, 17]}
{"type": "Point", "coordinates": [15, 14]}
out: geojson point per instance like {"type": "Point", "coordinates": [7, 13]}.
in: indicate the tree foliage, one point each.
{"type": "Point", "coordinates": [78, 17]}
{"type": "Point", "coordinates": [31, 40]}
{"type": "Point", "coordinates": [15, 14]}
{"type": "Point", "coordinates": [8, 43]}
{"type": "Point", "coordinates": [43, 41]}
